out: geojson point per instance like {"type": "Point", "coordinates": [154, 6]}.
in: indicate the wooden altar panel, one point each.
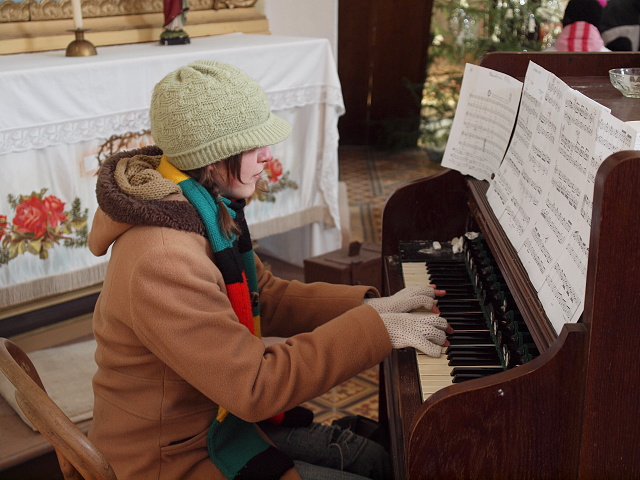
{"type": "Point", "coordinates": [34, 26]}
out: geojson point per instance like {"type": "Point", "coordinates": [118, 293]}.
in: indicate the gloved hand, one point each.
{"type": "Point", "coordinates": [407, 299]}
{"type": "Point", "coordinates": [423, 332]}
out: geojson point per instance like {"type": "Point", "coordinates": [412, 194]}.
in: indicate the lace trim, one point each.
{"type": "Point", "coordinates": [74, 131]}
{"type": "Point", "coordinates": [43, 136]}
{"type": "Point", "coordinates": [308, 95]}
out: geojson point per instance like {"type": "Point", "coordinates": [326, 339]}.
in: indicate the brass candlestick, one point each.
{"type": "Point", "coordinates": [80, 47]}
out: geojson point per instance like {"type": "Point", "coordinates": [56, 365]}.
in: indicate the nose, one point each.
{"type": "Point", "coordinates": [264, 155]}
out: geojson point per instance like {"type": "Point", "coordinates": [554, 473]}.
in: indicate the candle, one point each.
{"type": "Point", "coordinates": [77, 13]}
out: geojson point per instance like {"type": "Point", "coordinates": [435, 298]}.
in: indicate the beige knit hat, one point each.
{"type": "Point", "coordinates": [208, 111]}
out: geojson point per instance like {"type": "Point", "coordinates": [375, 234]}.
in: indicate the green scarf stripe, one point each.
{"type": "Point", "coordinates": [208, 209]}
{"type": "Point", "coordinates": [222, 246]}
{"type": "Point", "coordinates": [235, 442]}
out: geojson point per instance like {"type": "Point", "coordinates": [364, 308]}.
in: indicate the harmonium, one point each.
{"type": "Point", "coordinates": [520, 393]}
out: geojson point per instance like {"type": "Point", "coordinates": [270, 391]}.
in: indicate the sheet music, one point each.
{"type": "Point", "coordinates": [532, 146]}
{"type": "Point", "coordinates": [562, 293]}
{"type": "Point", "coordinates": [503, 194]}
{"type": "Point", "coordinates": [542, 192]}
{"type": "Point", "coordinates": [565, 183]}
{"type": "Point", "coordinates": [483, 122]}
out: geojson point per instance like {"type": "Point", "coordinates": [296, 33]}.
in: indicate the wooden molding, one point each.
{"type": "Point", "coordinates": [37, 36]}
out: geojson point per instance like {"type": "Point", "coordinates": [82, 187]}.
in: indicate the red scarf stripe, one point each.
{"type": "Point", "coordinates": [238, 294]}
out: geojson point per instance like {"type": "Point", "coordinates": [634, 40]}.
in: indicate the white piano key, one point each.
{"type": "Point", "coordinates": [435, 374]}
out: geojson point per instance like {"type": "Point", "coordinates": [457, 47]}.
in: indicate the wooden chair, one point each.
{"type": "Point", "coordinates": [77, 456]}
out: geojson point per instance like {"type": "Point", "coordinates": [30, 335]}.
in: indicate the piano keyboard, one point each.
{"type": "Point", "coordinates": [489, 334]}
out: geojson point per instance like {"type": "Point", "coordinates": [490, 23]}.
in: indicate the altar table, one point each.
{"type": "Point", "coordinates": [58, 112]}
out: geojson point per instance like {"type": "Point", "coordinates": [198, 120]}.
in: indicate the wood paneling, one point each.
{"type": "Point", "coordinates": [382, 45]}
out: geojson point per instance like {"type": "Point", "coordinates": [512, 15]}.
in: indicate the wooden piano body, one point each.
{"type": "Point", "coordinates": [573, 411]}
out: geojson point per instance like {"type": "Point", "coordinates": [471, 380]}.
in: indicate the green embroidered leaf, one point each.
{"type": "Point", "coordinates": [34, 246]}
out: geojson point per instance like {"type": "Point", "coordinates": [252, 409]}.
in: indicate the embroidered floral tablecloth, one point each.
{"type": "Point", "coordinates": [62, 114]}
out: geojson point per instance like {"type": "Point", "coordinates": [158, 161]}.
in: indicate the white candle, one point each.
{"type": "Point", "coordinates": [77, 13]}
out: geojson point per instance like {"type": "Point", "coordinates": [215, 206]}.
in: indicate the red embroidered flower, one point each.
{"type": "Point", "coordinates": [274, 170]}
{"type": "Point", "coordinates": [55, 210]}
{"type": "Point", "coordinates": [3, 225]}
{"type": "Point", "coordinates": [31, 217]}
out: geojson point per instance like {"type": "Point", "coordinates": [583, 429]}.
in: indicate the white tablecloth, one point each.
{"type": "Point", "coordinates": [57, 111]}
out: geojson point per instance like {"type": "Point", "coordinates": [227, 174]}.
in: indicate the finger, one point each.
{"type": "Point", "coordinates": [435, 309]}
{"type": "Point", "coordinates": [434, 335]}
{"type": "Point", "coordinates": [420, 290]}
{"type": "Point", "coordinates": [437, 322]}
{"type": "Point", "coordinates": [449, 330]}
{"type": "Point", "coordinates": [433, 342]}
{"type": "Point", "coordinates": [438, 293]}
{"type": "Point", "coordinates": [430, 349]}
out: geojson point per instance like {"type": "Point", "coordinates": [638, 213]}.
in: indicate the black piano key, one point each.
{"type": "Point", "coordinates": [453, 349]}
{"type": "Point", "coordinates": [492, 358]}
{"type": "Point", "coordinates": [455, 310]}
{"type": "Point", "coordinates": [450, 281]}
{"type": "Point", "coordinates": [468, 338]}
{"type": "Point", "coordinates": [459, 325]}
{"type": "Point", "coordinates": [456, 297]}
{"type": "Point", "coordinates": [475, 361]}
{"type": "Point", "coordinates": [460, 270]}
{"type": "Point", "coordinates": [471, 352]}
{"type": "Point", "coordinates": [456, 288]}
{"type": "Point", "coordinates": [462, 316]}
{"type": "Point", "coordinates": [444, 261]}
{"type": "Point", "coordinates": [463, 377]}
{"type": "Point", "coordinates": [453, 275]}
{"type": "Point", "coordinates": [467, 373]}
{"type": "Point", "coordinates": [472, 305]}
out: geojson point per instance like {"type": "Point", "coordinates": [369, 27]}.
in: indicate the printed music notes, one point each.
{"type": "Point", "coordinates": [542, 190]}
{"type": "Point", "coordinates": [483, 122]}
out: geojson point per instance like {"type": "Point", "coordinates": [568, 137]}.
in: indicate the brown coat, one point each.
{"type": "Point", "coordinates": [170, 348]}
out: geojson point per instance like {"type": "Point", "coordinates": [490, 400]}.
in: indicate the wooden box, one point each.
{"type": "Point", "coordinates": [358, 264]}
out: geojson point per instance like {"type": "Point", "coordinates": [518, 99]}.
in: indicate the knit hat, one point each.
{"type": "Point", "coordinates": [589, 11]}
{"type": "Point", "coordinates": [208, 111]}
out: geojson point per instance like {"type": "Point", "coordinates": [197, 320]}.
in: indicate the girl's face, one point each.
{"type": "Point", "coordinates": [252, 166]}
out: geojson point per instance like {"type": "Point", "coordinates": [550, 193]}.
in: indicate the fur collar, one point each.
{"type": "Point", "coordinates": [172, 212]}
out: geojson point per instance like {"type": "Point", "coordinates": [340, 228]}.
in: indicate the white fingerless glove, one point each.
{"type": "Point", "coordinates": [424, 332]}
{"type": "Point", "coordinates": [405, 300]}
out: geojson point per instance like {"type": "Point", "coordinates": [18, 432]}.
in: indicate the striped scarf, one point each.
{"type": "Point", "coordinates": [235, 446]}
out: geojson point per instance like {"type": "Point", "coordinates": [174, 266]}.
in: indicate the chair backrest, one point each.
{"type": "Point", "coordinates": [77, 456]}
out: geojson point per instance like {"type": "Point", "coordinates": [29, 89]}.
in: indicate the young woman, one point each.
{"type": "Point", "coordinates": [183, 377]}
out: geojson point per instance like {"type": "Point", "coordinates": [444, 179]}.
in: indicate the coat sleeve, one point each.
{"type": "Point", "coordinates": [291, 307]}
{"type": "Point", "coordinates": [182, 314]}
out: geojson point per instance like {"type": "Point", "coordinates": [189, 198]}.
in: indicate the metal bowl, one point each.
{"type": "Point", "coordinates": [627, 80]}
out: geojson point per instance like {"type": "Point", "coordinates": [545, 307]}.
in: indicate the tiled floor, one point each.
{"type": "Point", "coordinates": [371, 176]}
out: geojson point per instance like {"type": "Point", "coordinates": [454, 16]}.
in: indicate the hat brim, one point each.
{"type": "Point", "coordinates": [273, 130]}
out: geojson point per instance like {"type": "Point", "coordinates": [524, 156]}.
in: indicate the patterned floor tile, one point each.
{"type": "Point", "coordinates": [356, 396]}
{"type": "Point", "coordinates": [371, 177]}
